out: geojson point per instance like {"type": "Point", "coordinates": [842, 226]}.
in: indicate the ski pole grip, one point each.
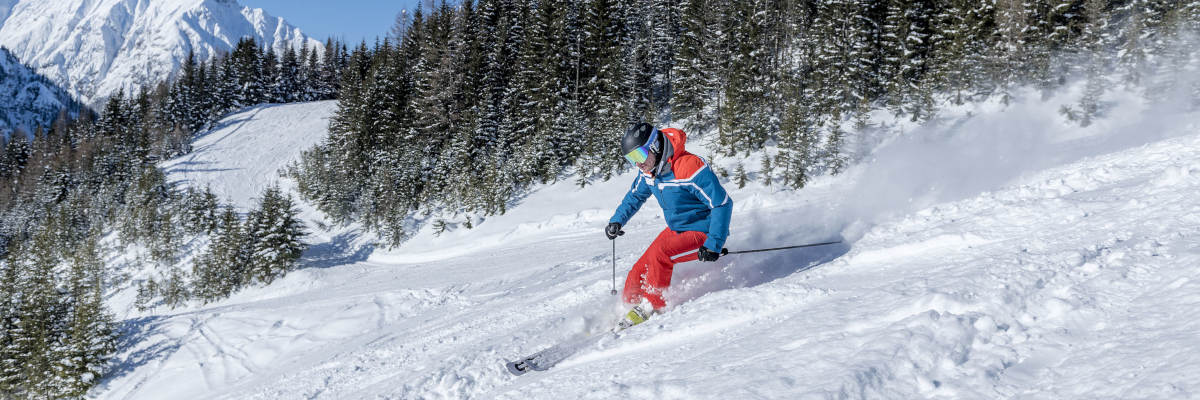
{"type": "Point", "coordinates": [724, 251]}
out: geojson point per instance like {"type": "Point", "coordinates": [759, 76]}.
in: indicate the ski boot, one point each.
{"type": "Point", "coordinates": [635, 316]}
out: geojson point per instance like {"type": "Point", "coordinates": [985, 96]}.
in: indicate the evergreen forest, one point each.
{"type": "Point", "coordinates": [72, 191]}
{"type": "Point", "coordinates": [465, 106]}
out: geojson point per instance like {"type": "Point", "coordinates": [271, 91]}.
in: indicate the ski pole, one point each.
{"type": "Point", "coordinates": [726, 251]}
{"type": "Point", "coordinates": [614, 258]}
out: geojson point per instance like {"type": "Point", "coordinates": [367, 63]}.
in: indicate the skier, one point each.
{"type": "Point", "coordinates": [697, 211]}
{"type": "Point", "coordinates": [695, 207]}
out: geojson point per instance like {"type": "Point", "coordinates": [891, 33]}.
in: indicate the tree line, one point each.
{"type": "Point", "coordinates": [466, 105]}
{"type": "Point", "coordinates": [65, 186]}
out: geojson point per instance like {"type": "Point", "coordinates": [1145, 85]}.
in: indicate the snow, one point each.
{"type": "Point", "coordinates": [93, 48]}
{"type": "Point", "coordinates": [999, 253]}
{"type": "Point", "coordinates": [247, 151]}
{"type": "Point", "coordinates": [27, 101]}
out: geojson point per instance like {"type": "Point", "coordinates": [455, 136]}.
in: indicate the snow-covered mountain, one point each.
{"type": "Point", "coordinates": [28, 99]}
{"type": "Point", "coordinates": [1004, 254]}
{"type": "Point", "coordinates": [95, 47]}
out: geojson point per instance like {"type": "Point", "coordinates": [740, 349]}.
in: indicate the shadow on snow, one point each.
{"type": "Point", "coordinates": [339, 250]}
{"type": "Point", "coordinates": [695, 279]}
{"type": "Point", "coordinates": [137, 331]}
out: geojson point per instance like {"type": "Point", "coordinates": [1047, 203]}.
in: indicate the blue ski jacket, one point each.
{"type": "Point", "coordinates": [688, 191]}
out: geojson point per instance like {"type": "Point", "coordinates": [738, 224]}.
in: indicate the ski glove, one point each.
{"type": "Point", "coordinates": [613, 230]}
{"type": "Point", "coordinates": [707, 255]}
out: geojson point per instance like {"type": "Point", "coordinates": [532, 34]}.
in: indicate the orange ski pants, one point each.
{"type": "Point", "coordinates": [651, 274]}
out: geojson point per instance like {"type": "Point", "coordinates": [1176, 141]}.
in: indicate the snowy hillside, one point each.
{"type": "Point", "coordinates": [28, 100]}
{"type": "Point", "coordinates": [245, 151]}
{"type": "Point", "coordinates": [1007, 254]}
{"type": "Point", "coordinates": [95, 47]}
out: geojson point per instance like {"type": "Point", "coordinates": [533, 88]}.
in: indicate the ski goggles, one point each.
{"type": "Point", "coordinates": [639, 154]}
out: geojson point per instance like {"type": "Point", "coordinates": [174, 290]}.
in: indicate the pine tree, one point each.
{"type": "Point", "coordinates": [276, 236]}
{"type": "Point", "coordinates": [604, 24]}
{"type": "Point", "coordinates": [1005, 59]}
{"type": "Point", "coordinates": [174, 289]}
{"type": "Point", "coordinates": [745, 115]}
{"type": "Point", "coordinates": [1131, 59]}
{"type": "Point", "coordinates": [16, 154]}
{"type": "Point", "coordinates": [11, 297]}
{"type": "Point", "coordinates": [147, 292]}
{"type": "Point", "coordinates": [692, 74]}
{"type": "Point", "coordinates": [739, 176]}
{"type": "Point", "coordinates": [225, 266]}
{"type": "Point", "coordinates": [90, 337]}
{"type": "Point", "coordinates": [766, 170]}
{"type": "Point", "coordinates": [41, 316]}
{"type": "Point", "coordinates": [201, 211]}
{"type": "Point", "coordinates": [268, 76]}
{"type": "Point", "coordinates": [1092, 46]}
{"type": "Point", "coordinates": [286, 88]}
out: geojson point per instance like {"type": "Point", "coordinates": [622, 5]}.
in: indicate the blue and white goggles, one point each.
{"type": "Point", "coordinates": [639, 154]}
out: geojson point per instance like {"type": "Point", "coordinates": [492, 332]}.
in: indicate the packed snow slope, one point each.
{"type": "Point", "coordinates": [95, 47]}
{"type": "Point", "coordinates": [1007, 254]}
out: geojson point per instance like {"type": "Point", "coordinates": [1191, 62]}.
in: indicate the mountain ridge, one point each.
{"type": "Point", "coordinates": [30, 99]}
{"type": "Point", "coordinates": [93, 48]}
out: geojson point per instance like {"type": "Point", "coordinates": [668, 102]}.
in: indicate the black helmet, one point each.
{"type": "Point", "coordinates": [639, 135]}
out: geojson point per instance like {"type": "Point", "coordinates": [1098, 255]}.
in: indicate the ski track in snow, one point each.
{"type": "Point", "coordinates": [1075, 281]}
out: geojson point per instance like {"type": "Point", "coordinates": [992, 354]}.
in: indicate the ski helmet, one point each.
{"type": "Point", "coordinates": [639, 141]}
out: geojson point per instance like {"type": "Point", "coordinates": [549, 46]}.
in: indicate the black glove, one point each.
{"type": "Point", "coordinates": [708, 255]}
{"type": "Point", "coordinates": [613, 230]}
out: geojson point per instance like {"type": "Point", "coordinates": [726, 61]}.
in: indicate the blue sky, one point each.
{"type": "Point", "coordinates": [352, 20]}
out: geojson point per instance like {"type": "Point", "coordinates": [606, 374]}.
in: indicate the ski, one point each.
{"type": "Point", "coordinates": [551, 356]}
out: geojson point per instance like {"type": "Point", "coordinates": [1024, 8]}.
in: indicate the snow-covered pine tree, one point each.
{"type": "Point", "coordinates": [1093, 43]}
{"type": "Point", "coordinates": [16, 154]}
{"type": "Point", "coordinates": [269, 75]}
{"type": "Point", "coordinates": [90, 336]}
{"type": "Point", "coordinates": [276, 236]}
{"type": "Point", "coordinates": [1005, 59]}
{"type": "Point", "coordinates": [201, 211]}
{"type": "Point", "coordinates": [740, 178]}
{"type": "Point", "coordinates": [1040, 41]}
{"type": "Point", "coordinates": [602, 94]}
{"type": "Point", "coordinates": [225, 266]}
{"type": "Point", "coordinates": [11, 297]}
{"type": "Point", "coordinates": [224, 86]}
{"type": "Point", "coordinates": [459, 150]}
{"type": "Point", "coordinates": [434, 96]}
{"type": "Point", "coordinates": [40, 317]}
{"type": "Point", "coordinates": [306, 59]}
{"type": "Point", "coordinates": [907, 48]}
{"type": "Point", "coordinates": [1130, 18]}
{"type": "Point", "coordinates": [328, 71]}
{"type": "Point", "coordinates": [766, 170]}
{"type": "Point", "coordinates": [664, 18]}
{"type": "Point", "coordinates": [692, 72]}
{"type": "Point", "coordinates": [174, 288]}
{"type": "Point", "coordinates": [286, 87]}
{"type": "Point", "coordinates": [535, 97]}
{"type": "Point", "coordinates": [637, 85]}
{"type": "Point", "coordinates": [203, 99]}
{"type": "Point", "coordinates": [951, 39]}
{"type": "Point", "coordinates": [338, 167]}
